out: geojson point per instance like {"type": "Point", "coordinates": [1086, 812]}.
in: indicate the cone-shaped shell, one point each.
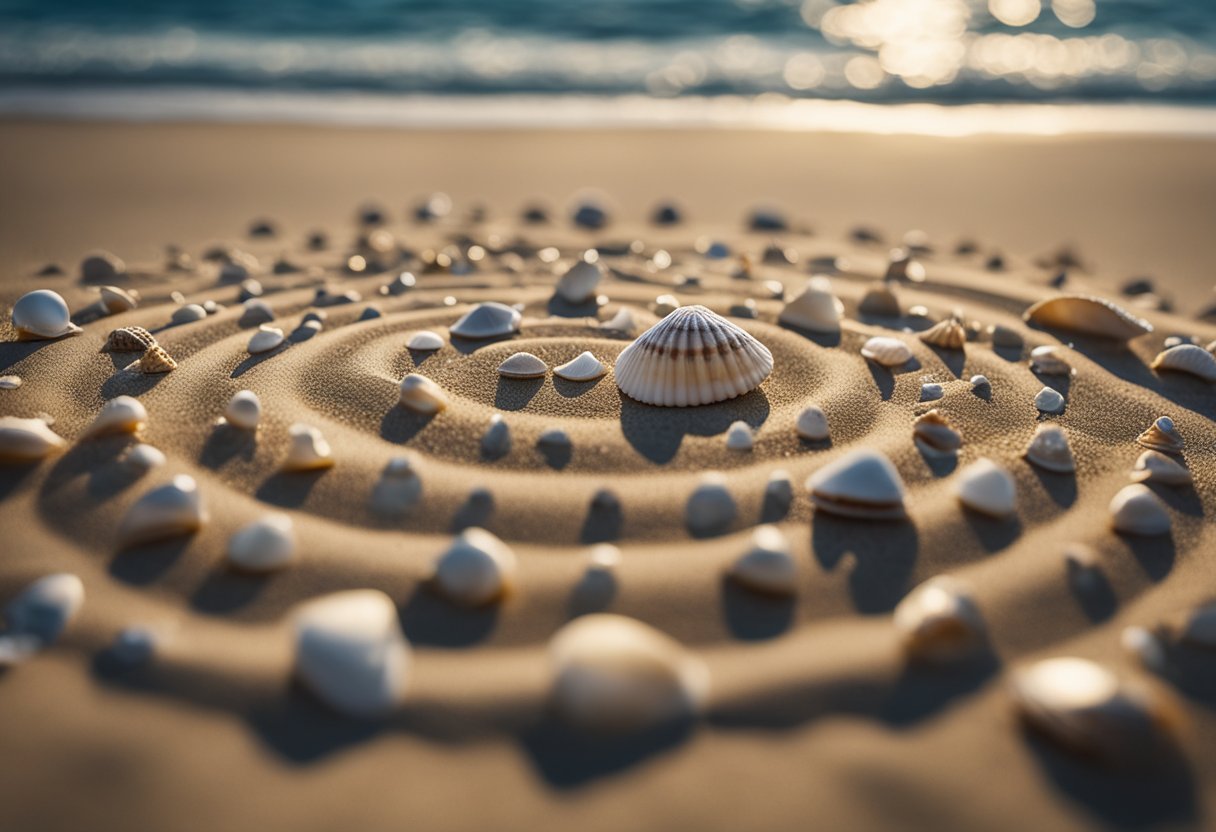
{"type": "Point", "coordinates": [1048, 360]}
{"type": "Point", "coordinates": [1154, 466]}
{"type": "Point", "coordinates": [814, 309]}
{"type": "Point", "coordinates": [42, 315]}
{"type": "Point", "coordinates": [583, 368]}
{"type": "Point", "coordinates": [121, 414]}
{"type": "Point", "coordinates": [155, 360]}
{"type": "Point", "coordinates": [1137, 510]}
{"type": "Point", "coordinates": [487, 320]}
{"type": "Point", "coordinates": [812, 424]}
{"type": "Point", "coordinates": [988, 488]}
{"type": "Point", "coordinates": [948, 335]}
{"type": "Point", "coordinates": [625, 320]}
{"type": "Point", "coordinates": [43, 610]}
{"type": "Point", "coordinates": [266, 544]}
{"type": "Point", "coordinates": [522, 365]}
{"type": "Point", "coordinates": [25, 440]}
{"type": "Point", "coordinates": [168, 511]}
{"type": "Point", "coordinates": [1087, 315]}
{"type": "Point", "coordinates": [399, 487]}
{"type": "Point", "coordinates": [244, 410]}
{"type": "Point", "coordinates": [1049, 449]}
{"type": "Point", "coordinates": [692, 357]}
{"type": "Point", "coordinates": [934, 436]}
{"type": "Point", "coordinates": [1049, 400]}
{"type": "Point", "coordinates": [739, 436]}
{"type": "Point", "coordinates": [578, 284]}
{"type": "Point", "coordinates": [1162, 435]}
{"type": "Point", "coordinates": [767, 566]}
{"type": "Point", "coordinates": [889, 352]}
{"type": "Point", "coordinates": [862, 483]}
{"type": "Point", "coordinates": [476, 569]}
{"type": "Point", "coordinates": [425, 341]}
{"type": "Point", "coordinates": [422, 395]}
{"type": "Point", "coordinates": [1188, 358]}
{"type": "Point", "coordinates": [129, 339]}
{"type": "Point", "coordinates": [939, 621]}
{"type": "Point", "coordinates": [265, 339]}
{"type": "Point", "coordinates": [115, 300]}
{"type": "Point", "coordinates": [309, 451]}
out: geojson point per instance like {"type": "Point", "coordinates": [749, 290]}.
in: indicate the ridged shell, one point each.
{"type": "Point", "coordinates": [739, 437]}
{"type": "Point", "coordinates": [1187, 358]}
{"type": "Point", "coordinates": [155, 360]}
{"type": "Point", "coordinates": [934, 436]}
{"type": "Point", "coordinates": [266, 544]}
{"type": "Point", "coordinates": [129, 339]}
{"type": "Point", "coordinates": [1049, 400]}
{"type": "Point", "coordinates": [812, 424]}
{"type": "Point", "coordinates": [1049, 449]}
{"type": "Point", "coordinates": [43, 610]}
{"type": "Point", "coordinates": [585, 367]}
{"type": "Point", "coordinates": [522, 365]}
{"type": "Point", "coordinates": [767, 565]}
{"type": "Point", "coordinates": [114, 299]}
{"type": "Point", "coordinates": [578, 284]}
{"type": "Point", "coordinates": [814, 309]}
{"type": "Point", "coordinates": [940, 622]}
{"type": "Point", "coordinates": [309, 451]}
{"type": "Point", "coordinates": [1087, 315]}
{"type": "Point", "coordinates": [880, 300]}
{"type": "Point", "coordinates": [1137, 510]}
{"type": "Point", "coordinates": [862, 483]}
{"type": "Point", "coordinates": [168, 511]}
{"type": "Point", "coordinates": [25, 440]}
{"type": "Point", "coordinates": [422, 395]}
{"type": "Point", "coordinates": [244, 410]}
{"type": "Point", "coordinates": [1154, 466]}
{"type": "Point", "coordinates": [988, 488]}
{"type": "Point", "coordinates": [889, 352]}
{"type": "Point", "coordinates": [1162, 435]}
{"type": "Point", "coordinates": [692, 357]}
{"type": "Point", "coordinates": [1048, 360]}
{"type": "Point", "coordinates": [710, 509]}
{"type": "Point", "coordinates": [425, 341]}
{"type": "Point", "coordinates": [476, 569]}
{"type": "Point", "coordinates": [487, 320]}
{"type": "Point", "coordinates": [42, 315]}
{"type": "Point", "coordinates": [949, 334]}
{"type": "Point", "coordinates": [121, 414]}
{"type": "Point", "coordinates": [265, 339]}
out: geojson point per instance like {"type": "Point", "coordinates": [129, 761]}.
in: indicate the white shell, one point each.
{"type": "Point", "coordinates": [1049, 401]}
{"type": "Point", "coordinates": [1088, 315]}
{"type": "Point", "coordinates": [889, 352]}
{"type": "Point", "coordinates": [266, 544]}
{"type": "Point", "coordinates": [939, 621]}
{"type": "Point", "coordinates": [623, 321]}
{"type": "Point", "coordinates": [1049, 449]}
{"type": "Point", "coordinates": [187, 314]}
{"type": "Point", "coordinates": [931, 391]}
{"type": "Point", "coordinates": [583, 368]}
{"type": "Point", "coordinates": [116, 300]}
{"type": "Point", "coordinates": [603, 557]}
{"type": "Point", "coordinates": [934, 436]}
{"type": "Point", "coordinates": [1162, 435]}
{"type": "Point", "coordinates": [615, 674]}
{"type": "Point", "coordinates": [739, 437]}
{"type": "Point", "coordinates": [398, 488]}
{"type": "Point", "coordinates": [10, 382]}
{"type": "Point", "coordinates": [1137, 510]}
{"type": "Point", "coordinates": [812, 424]}
{"type": "Point", "coordinates": [814, 309]}
{"type": "Point", "coordinates": [1188, 358]}
{"type": "Point", "coordinates": [349, 649]}
{"type": "Point", "coordinates": [421, 395]}
{"type": "Point", "coordinates": [43, 610]}
{"type": "Point", "coordinates": [43, 314]}
{"type": "Point", "coordinates": [487, 320]}
{"type": "Point", "coordinates": [578, 284]}
{"type": "Point", "coordinates": [1154, 466]}
{"type": "Point", "coordinates": [1048, 360]}
{"type": "Point", "coordinates": [986, 487]}
{"type": "Point", "coordinates": [862, 483]}
{"type": "Point", "coordinates": [265, 339]}
{"type": "Point", "coordinates": [767, 565]}
{"type": "Point", "coordinates": [476, 569]}
{"type": "Point", "coordinates": [309, 451]}
{"type": "Point", "coordinates": [121, 414]}
{"type": "Point", "coordinates": [244, 410]}
{"type": "Point", "coordinates": [664, 305]}
{"type": "Point", "coordinates": [168, 511]}
{"type": "Point", "coordinates": [692, 357]}
{"type": "Point", "coordinates": [143, 458]}
{"type": "Point", "coordinates": [25, 440]}
{"type": "Point", "coordinates": [522, 365]}
{"type": "Point", "coordinates": [496, 441]}
{"type": "Point", "coordinates": [425, 341]}
{"type": "Point", "coordinates": [711, 509]}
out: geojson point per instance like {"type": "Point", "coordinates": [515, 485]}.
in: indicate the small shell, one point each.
{"type": "Point", "coordinates": [265, 339]}
{"type": "Point", "coordinates": [664, 305]}
{"type": "Point", "coordinates": [143, 458]}
{"type": "Point", "coordinates": [42, 315]}
{"type": "Point", "coordinates": [101, 265]}
{"type": "Point", "coordinates": [349, 649]}
{"type": "Point", "coordinates": [1049, 449]}
{"type": "Point", "coordinates": [767, 566]}
{"type": "Point", "coordinates": [168, 511]}
{"type": "Point", "coordinates": [614, 674]}
{"type": "Point", "coordinates": [814, 309]}
{"type": "Point", "coordinates": [522, 365]}
{"type": "Point", "coordinates": [256, 311]}
{"type": "Point", "coordinates": [250, 289]}
{"type": "Point", "coordinates": [266, 544]}
{"type": "Point", "coordinates": [1188, 358]}
{"type": "Point", "coordinates": [554, 438]}
{"type": "Point", "coordinates": [398, 488]}
{"type": "Point", "coordinates": [1162, 435]}
{"type": "Point", "coordinates": [1154, 466]}
{"type": "Point", "coordinates": [988, 488]}
{"type": "Point", "coordinates": [487, 320]}
{"type": "Point", "coordinates": [583, 368]}
{"type": "Point", "coordinates": [1049, 401]}
{"type": "Point", "coordinates": [1048, 360]}
{"type": "Point", "coordinates": [496, 441]}
{"type": "Point", "coordinates": [1005, 337]}
{"type": "Point", "coordinates": [889, 352]}
{"type": "Point", "coordinates": [710, 509]}
{"type": "Point", "coordinates": [812, 424]}
{"type": "Point", "coordinates": [121, 414]}
{"type": "Point", "coordinates": [603, 557]}
{"type": "Point", "coordinates": [43, 610]}
{"type": "Point", "coordinates": [244, 410]}
{"type": "Point", "coordinates": [1137, 510]}
{"type": "Point", "coordinates": [931, 391]}
{"type": "Point", "coordinates": [934, 436]}
{"type": "Point", "coordinates": [425, 341]}
{"type": "Point", "coordinates": [880, 300]}
{"type": "Point", "coordinates": [309, 451]}
{"type": "Point", "coordinates": [578, 284]}
{"type": "Point", "coordinates": [948, 334]}
{"type": "Point", "coordinates": [26, 440]}
{"type": "Point", "coordinates": [476, 569]}
{"type": "Point", "coordinates": [623, 321]}
{"type": "Point", "coordinates": [778, 493]}
{"type": "Point", "coordinates": [862, 483]}
{"type": "Point", "coordinates": [188, 314]}
{"type": "Point", "coordinates": [421, 395]}
{"type": "Point", "coordinates": [136, 645]}
{"type": "Point", "coordinates": [1087, 315]}
{"type": "Point", "coordinates": [10, 382]}
{"type": "Point", "coordinates": [129, 339]}
{"type": "Point", "coordinates": [155, 360]}
{"type": "Point", "coordinates": [940, 622]}
{"type": "Point", "coordinates": [115, 300]}
{"type": "Point", "coordinates": [739, 437]}
{"type": "Point", "coordinates": [980, 384]}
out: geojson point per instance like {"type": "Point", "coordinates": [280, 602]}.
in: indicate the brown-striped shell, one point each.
{"type": "Point", "coordinates": [129, 339]}
{"type": "Point", "coordinates": [156, 360]}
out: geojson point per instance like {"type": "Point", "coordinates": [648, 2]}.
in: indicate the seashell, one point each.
{"type": "Point", "coordinates": [496, 441]}
{"type": "Point", "coordinates": [476, 569]}
{"type": "Point", "coordinates": [42, 315]}
{"type": "Point", "coordinates": [101, 265]}
{"type": "Point", "coordinates": [614, 674]}
{"type": "Point", "coordinates": [664, 305]}
{"type": "Point", "coordinates": [578, 284]}
{"type": "Point", "coordinates": [980, 384]}
{"type": "Point", "coordinates": [889, 352]}
{"type": "Point", "coordinates": [250, 289]}
{"type": "Point", "coordinates": [143, 458]}
{"type": "Point", "coordinates": [767, 565]}
{"type": "Point", "coordinates": [189, 313]}
{"type": "Point", "coordinates": [711, 509]}
{"type": "Point", "coordinates": [862, 483]}
{"type": "Point", "coordinates": [168, 511]}
{"type": "Point", "coordinates": [1187, 358]}
{"type": "Point", "coordinates": [812, 424]}
{"type": "Point", "coordinates": [1048, 360]}
{"type": "Point", "coordinates": [244, 410]}
{"type": "Point", "coordinates": [41, 612]}
{"type": "Point", "coordinates": [814, 309]}
{"type": "Point", "coordinates": [422, 395]}
{"type": "Point", "coordinates": [1049, 401]}
{"type": "Point", "coordinates": [309, 451]}
{"type": "Point", "coordinates": [988, 488]}
{"type": "Point", "coordinates": [880, 300]}
{"type": "Point", "coordinates": [1162, 436]}
{"type": "Point", "coordinates": [425, 341]}
{"type": "Point", "coordinates": [370, 314]}
{"type": "Point", "coordinates": [1154, 466]}
{"type": "Point", "coordinates": [1049, 449]}
{"type": "Point", "coordinates": [949, 334]}
{"type": "Point", "coordinates": [487, 320]}
{"type": "Point", "coordinates": [349, 649]}
{"type": "Point", "coordinates": [623, 321]}
{"type": "Point", "coordinates": [256, 311]}
{"type": "Point", "coordinates": [583, 368]}
{"type": "Point", "coordinates": [692, 357]}
{"type": "Point", "coordinates": [1087, 315]}
{"type": "Point", "coordinates": [115, 300]}
{"type": "Point", "coordinates": [266, 544]}
{"type": "Point", "coordinates": [1143, 646]}
{"type": "Point", "coordinates": [26, 440]}
{"type": "Point", "coordinates": [10, 382]}
{"type": "Point", "coordinates": [1005, 337]}
{"type": "Point", "coordinates": [603, 557]}
{"type": "Point", "coordinates": [739, 436]}
{"type": "Point", "coordinates": [934, 436]}
{"type": "Point", "coordinates": [522, 365]}
{"type": "Point", "coordinates": [940, 622]}
{"type": "Point", "coordinates": [931, 391]}
{"type": "Point", "coordinates": [1137, 510]}
{"type": "Point", "coordinates": [399, 487]}
{"type": "Point", "coordinates": [265, 339]}
{"type": "Point", "coordinates": [154, 360]}
{"type": "Point", "coordinates": [1087, 709]}
{"type": "Point", "coordinates": [121, 414]}
{"type": "Point", "coordinates": [1199, 628]}
{"type": "Point", "coordinates": [129, 339]}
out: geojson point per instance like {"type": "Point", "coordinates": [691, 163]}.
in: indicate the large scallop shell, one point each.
{"type": "Point", "coordinates": [168, 511]}
{"type": "Point", "coordinates": [1087, 315]}
{"type": "Point", "coordinates": [487, 320]}
{"type": "Point", "coordinates": [121, 414]}
{"type": "Point", "coordinates": [692, 357]}
{"type": "Point", "coordinates": [862, 483]}
{"type": "Point", "coordinates": [988, 488]}
{"type": "Point", "coordinates": [1188, 358]}
{"type": "Point", "coordinates": [814, 309]}
{"type": "Point", "coordinates": [578, 284]}
{"type": "Point", "coordinates": [25, 440]}
{"type": "Point", "coordinates": [939, 621]}
{"type": "Point", "coordinates": [129, 339]}
{"type": "Point", "coordinates": [889, 352]}
{"type": "Point", "coordinates": [1154, 466]}
{"type": "Point", "coordinates": [583, 368]}
{"type": "Point", "coordinates": [1049, 449]}
{"type": "Point", "coordinates": [42, 315]}
{"type": "Point", "coordinates": [1162, 435]}
{"type": "Point", "coordinates": [949, 334]}
{"type": "Point", "coordinates": [1137, 510]}
{"type": "Point", "coordinates": [476, 569]}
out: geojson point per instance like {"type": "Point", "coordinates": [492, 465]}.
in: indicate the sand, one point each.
{"type": "Point", "coordinates": [814, 716]}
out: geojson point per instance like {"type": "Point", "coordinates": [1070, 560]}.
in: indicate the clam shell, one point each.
{"type": "Point", "coordinates": [940, 622]}
{"type": "Point", "coordinates": [425, 341]}
{"type": "Point", "coordinates": [266, 544]}
{"type": "Point", "coordinates": [1138, 511]}
{"type": "Point", "coordinates": [39, 614]}
{"type": "Point", "coordinates": [244, 410]}
{"type": "Point", "coordinates": [880, 300]}
{"type": "Point", "coordinates": [1048, 360]}
{"type": "Point", "coordinates": [487, 320]}
{"type": "Point", "coordinates": [1049, 401]}
{"type": "Point", "coordinates": [863, 483]}
{"type": "Point", "coordinates": [812, 424]}
{"type": "Point", "coordinates": [988, 488]}
{"type": "Point", "coordinates": [25, 440]}
{"type": "Point", "coordinates": [934, 436]}
{"type": "Point", "coordinates": [1087, 315]}
{"type": "Point", "coordinates": [129, 339]}
{"type": "Point", "coordinates": [615, 674]}
{"type": "Point", "coordinates": [42, 315]}
{"type": "Point", "coordinates": [265, 339]}
{"type": "Point", "coordinates": [1154, 466]}
{"type": "Point", "coordinates": [692, 357]}
{"type": "Point", "coordinates": [155, 360]}
{"type": "Point", "coordinates": [476, 569]}
{"type": "Point", "coordinates": [187, 314]}
{"type": "Point", "coordinates": [710, 509]}
{"type": "Point", "coordinates": [583, 368]}
{"type": "Point", "coordinates": [350, 651]}
{"type": "Point", "coordinates": [948, 334]}
{"type": "Point", "coordinates": [522, 365]}
{"type": "Point", "coordinates": [889, 352]}
{"type": "Point", "coordinates": [121, 414]}
{"type": "Point", "coordinates": [309, 451]}
{"type": "Point", "coordinates": [1188, 358]}
{"type": "Point", "coordinates": [115, 300]}
{"type": "Point", "coordinates": [496, 441]}
{"type": "Point", "coordinates": [578, 284]}
{"type": "Point", "coordinates": [168, 511]}
{"type": "Point", "coordinates": [1049, 449]}
{"type": "Point", "coordinates": [739, 437]}
{"type": "Point", "coordinates": [421, 395]}
{"type": "Point", "coordinates": [767, 565]}
{"type": "Point", "coordinates": [143, 458]}
{"type": "Point", "coordinates": [1162, 435]}
{"type": "Point", "coordinates": [814, 309]}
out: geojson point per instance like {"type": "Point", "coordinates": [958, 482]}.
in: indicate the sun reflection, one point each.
{"type": "Point", "coordinates": [1015, 12]}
